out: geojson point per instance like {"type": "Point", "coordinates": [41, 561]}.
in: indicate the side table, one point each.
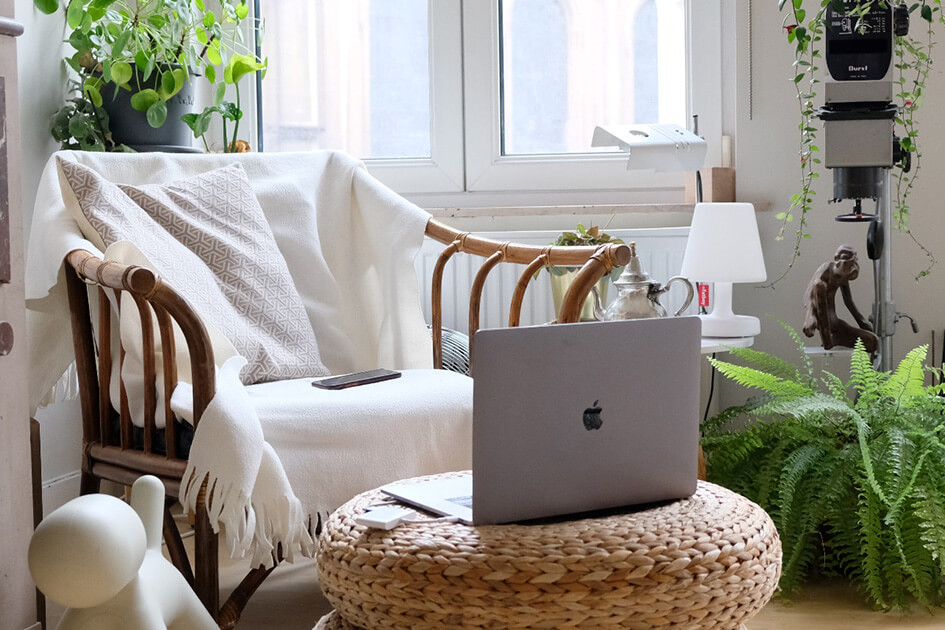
{"type": "Point", "coordinates": [709, 562]}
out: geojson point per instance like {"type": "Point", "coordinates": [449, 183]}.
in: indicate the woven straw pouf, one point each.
{"type": "Point", "coordinates": [707, 562]}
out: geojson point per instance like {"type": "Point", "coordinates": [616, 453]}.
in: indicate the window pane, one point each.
{"type": "Point", "coordinates": [351, 75]}
{"type": "Point", "coordinates": [568, 65]}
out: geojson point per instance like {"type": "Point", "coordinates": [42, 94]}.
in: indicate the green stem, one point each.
{"type": "Point", "coordinates": [236, 125]}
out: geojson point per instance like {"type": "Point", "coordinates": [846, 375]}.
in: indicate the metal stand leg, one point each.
{"type": "Point", "coordinates": [884, 309]}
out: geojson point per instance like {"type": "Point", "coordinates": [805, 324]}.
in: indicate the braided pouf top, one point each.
{"type": "Point", "coordinates": [709, 561]}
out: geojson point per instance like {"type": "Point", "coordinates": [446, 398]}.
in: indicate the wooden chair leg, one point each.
{"type": "Point", "coordinates": [206, 561]}
{"type": "Point", "coordinates": [233, 607]}
{"type": "Point", "coordinates": [88, 483]}
{"type": "Point", "coordinates": [37, 465]}
{"type": "Point", "coordinates": [175, 545]}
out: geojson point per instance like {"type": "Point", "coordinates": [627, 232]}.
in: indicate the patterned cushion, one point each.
{"type": "Point", "coordinates": [455, 350]}
{"type": "Point", "coordinates": [208, 238]}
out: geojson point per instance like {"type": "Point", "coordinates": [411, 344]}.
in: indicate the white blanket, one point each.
{"type": "Point", "coordinates": [349, 244]}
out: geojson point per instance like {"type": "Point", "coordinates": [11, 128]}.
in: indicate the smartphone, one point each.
{"type": "Point", "coordinates": [355, 379]}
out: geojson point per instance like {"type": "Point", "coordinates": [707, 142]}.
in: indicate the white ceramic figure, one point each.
{"type": "Point", "coordinates": [102, 560]}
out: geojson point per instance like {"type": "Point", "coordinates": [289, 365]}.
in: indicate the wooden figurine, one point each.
{"type": "Point", "coordinates": [820, 313]}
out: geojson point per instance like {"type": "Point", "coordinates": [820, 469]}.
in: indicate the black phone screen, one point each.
{"type": "Point", "coordinates": [355, 379]}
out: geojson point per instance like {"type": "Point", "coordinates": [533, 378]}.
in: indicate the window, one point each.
{"type": "Point", "coordinates": [481, 98]}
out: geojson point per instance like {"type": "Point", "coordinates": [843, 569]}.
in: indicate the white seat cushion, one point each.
{"type": "Point", "coordinates": [335, 444]}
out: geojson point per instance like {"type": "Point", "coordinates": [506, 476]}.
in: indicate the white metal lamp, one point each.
{"type": "Point", "coordinates": [724, 247]}
{"type": "Point", "coordinates": [658, 147]}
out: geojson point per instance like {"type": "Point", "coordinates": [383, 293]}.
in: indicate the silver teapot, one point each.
{"type": "Point", "coordinates": [638, 296]}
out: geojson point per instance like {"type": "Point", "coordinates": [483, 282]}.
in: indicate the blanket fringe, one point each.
{"type": "Point", "coordinates": [257, 528]}
{"type": "Point", "coordinates": [65, 389]}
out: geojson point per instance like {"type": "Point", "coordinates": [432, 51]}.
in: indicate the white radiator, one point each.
{"type": "Point", "coordinates": [660, 250]}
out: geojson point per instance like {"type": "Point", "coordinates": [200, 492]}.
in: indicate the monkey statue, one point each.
{"type": "Point", "coordinates": [820, 312]}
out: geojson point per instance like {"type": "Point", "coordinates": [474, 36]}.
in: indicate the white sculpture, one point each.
{"type": "Point", "coordinates": [102, 560]}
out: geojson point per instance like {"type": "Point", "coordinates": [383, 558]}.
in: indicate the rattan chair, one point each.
{"type": "Point", "coordinates": [115, 450]}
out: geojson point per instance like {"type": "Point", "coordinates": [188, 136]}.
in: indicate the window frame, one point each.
{"type": "Point", "coordinates": [442, 172]}
{"type": "Point", "coordinates": [466, 167]}
{"type": "Point", "coordinates": [487, 170]}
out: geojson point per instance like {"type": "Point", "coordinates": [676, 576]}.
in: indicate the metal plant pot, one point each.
{"type": "Point", "coordinates": [561, 282]}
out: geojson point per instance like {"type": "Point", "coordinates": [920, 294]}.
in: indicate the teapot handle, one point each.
{"type": "Point", "coordinates": [689, 297]}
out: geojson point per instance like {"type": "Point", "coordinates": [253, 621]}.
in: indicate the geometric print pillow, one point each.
{"type": "Point", "coordinates": [208, 238]}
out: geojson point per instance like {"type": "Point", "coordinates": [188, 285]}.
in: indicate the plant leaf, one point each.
{"type": "Point", "coordinates": [121, 72]}
{"type": "Point", "coordinates": [47, 6]}
{"type": "Point", "coordinates": [908, 381]}
{"type": "Point", "coordinates": [144, 100]}
{"type": "Point", "coordinates": [157, 114]}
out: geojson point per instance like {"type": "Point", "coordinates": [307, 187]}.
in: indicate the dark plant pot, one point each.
{"type": "Point", "coordinates": [130, 127]}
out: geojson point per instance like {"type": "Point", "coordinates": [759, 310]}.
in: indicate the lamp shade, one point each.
{"type": "Point", "coordinates": [724, 245]}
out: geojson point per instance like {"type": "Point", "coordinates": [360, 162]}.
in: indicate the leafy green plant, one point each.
{"type": "Point", "coordinates": [855, 482]}
{"type": "Point", "coordinates": [804, 26]}
{"type": "Point", "coordinates": [238, 67]}
{"type": "Point", "coordinates": [585, 236]}
{"type": "Point", "coordinates": [79, 124]}
{"type": "Point", "coordinates": [149, 48]}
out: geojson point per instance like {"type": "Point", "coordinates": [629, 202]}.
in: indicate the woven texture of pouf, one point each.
{"type": "Point", "coordinates": [709, 562]}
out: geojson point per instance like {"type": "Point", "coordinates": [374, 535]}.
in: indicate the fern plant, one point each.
{"type": "Point", "coordinates": [853, 474]}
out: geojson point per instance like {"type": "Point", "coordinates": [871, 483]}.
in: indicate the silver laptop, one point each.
{"type": "Point", "coordinates": [576, 417]}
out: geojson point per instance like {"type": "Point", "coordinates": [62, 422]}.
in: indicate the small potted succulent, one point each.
{"type": "Point", "coordinates": [562, 277]}
{"type": "Point", "coordinates": [137, 60]}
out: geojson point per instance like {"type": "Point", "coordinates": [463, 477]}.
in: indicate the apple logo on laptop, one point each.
{"type": "Point", "coordinates": [592, 419]}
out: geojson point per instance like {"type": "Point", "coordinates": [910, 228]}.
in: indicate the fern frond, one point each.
{"type": "Point", "coordinates": [719, 423]}
{"type": "Point", "coordinates": [863, 433]}
{"type": "Point", "coordinates": [834, 385]}
{"type": "Point", "coordinates": [871, 530]}
{"type": "Point", "coordinates": [767, 363]}
{"type": "Point", "coordinates": [930, 512]}
{"type": "Point", "coordinates": [840, 508]}
{"type": "Point", "coordinates": [865, 380]}
{"type": "Point", "coordinates": [908, 380]}
{"type": "Point", "coordinates": [796, 466]}
{"type": "Point", "coordinates": [901, 460]}
{"type": "Point", "coordinates": [926, 585]}
{"type": "Point", "coordinates": [799, 342]}
{"type": "Point", "coordinates": [756, 379]}
{"type": "Point", "coordinates": [813, 405]}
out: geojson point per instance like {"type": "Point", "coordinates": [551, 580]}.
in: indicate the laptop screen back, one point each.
{"type": "Point", "coordinates": [576, 417]}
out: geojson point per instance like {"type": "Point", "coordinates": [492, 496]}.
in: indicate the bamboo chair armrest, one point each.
{"type": "Point", "coordinates": [597, 266]}
{"type": "Point", "coordinates": [145, 285]}
{"type": "Point", "coordinates": [558, 255]}
{"type": "Point", "coordinates": [595, 262]}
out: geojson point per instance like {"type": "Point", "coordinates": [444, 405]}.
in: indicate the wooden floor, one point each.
{"type": "Point", "coordinates": [291, 600]}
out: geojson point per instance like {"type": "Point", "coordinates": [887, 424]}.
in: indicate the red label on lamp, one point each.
{"type": "Point", "coordinates": [704, 295]}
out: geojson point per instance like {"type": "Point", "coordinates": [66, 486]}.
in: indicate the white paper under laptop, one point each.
{"type": "Point", "coordinates": [576, 417]}
{"type": "Point", "coordinates": [446, 497]}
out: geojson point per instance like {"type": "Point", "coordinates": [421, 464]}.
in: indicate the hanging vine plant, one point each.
{"type": "Point", "coordinates": [804, 25]}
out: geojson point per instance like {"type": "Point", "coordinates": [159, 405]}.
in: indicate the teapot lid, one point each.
{"type": "Point", "coordinates": [633, 273]}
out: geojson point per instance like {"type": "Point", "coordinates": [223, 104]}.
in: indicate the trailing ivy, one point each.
{"type": "Point", "coordinates": [853, 474]}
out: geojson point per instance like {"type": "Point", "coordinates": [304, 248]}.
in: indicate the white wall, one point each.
{"type": "Point", "coordinates": [42, 85]}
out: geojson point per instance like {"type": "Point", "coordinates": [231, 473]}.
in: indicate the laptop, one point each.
{"type": "Point", "coordinates": [574, 418]}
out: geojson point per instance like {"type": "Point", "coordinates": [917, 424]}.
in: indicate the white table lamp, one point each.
{"type": "Point", "coordinates": [724, 247]}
